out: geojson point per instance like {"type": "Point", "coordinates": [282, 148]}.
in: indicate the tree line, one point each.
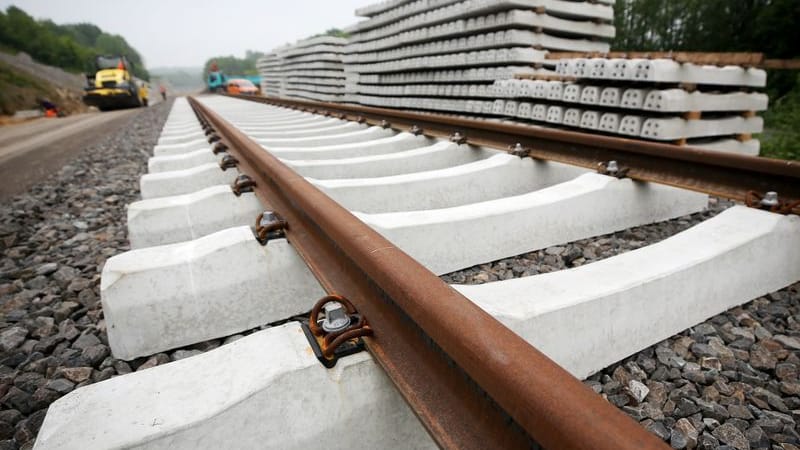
{"type": "Point", "coordinates": [71, 47]}
{"type": "Point", "coordinates": [765, 26]}
{"type": "Point", "coordinates": [232, 65]}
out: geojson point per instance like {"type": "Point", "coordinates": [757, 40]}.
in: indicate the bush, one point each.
{"type": "Point", "coordinates": [781, 137]}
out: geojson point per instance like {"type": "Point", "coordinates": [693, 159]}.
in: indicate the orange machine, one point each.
{"type": "Point", "coordinates": [240, 86]}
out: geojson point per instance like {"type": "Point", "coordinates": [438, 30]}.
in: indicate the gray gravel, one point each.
{"type": "Point", "coordinates": [730, 382]}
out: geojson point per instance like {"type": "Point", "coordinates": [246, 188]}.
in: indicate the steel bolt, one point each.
{"type": "Point", "coordinates": [519, 150]}
{"type": "Point", "coordinates": [267, 218]}
{"type": "Point", "coordinates": [458, 138]}
{"type": "Point", "coordinates": [336, 317]}
{"type": "Point", "coordinates": [612, 167]}
{"type": "Point", "coordinates": [770, 199]}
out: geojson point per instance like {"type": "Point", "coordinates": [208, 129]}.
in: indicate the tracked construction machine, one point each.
{"type": "Point", "coordinates": [113, 85]}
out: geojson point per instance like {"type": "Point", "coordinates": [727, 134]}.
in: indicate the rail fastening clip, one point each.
{"type": "Point", "coordinates": [219, 147]}
{"type": "Point", "coordinates": [458, 138]}
{"type": "Point", "coordinates": [228, 162]}
{"type": "Point", "coordinates": [612, 169]}
{"type": "Point", "coordinates": [270, 225]}
{"type": "Point", "coordinates": [242, 183]}
{"type": "Point", "coordinates": [770, 202]}
{"type": "Point", "coordinates": [338, 333]}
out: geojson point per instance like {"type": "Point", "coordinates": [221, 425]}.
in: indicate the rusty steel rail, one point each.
{"type": "Point", "coordinates": [716, 173]}
{"type": "Point", "coordinates": [471, 381]}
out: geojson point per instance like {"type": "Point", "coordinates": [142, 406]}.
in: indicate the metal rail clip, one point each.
{"type": "Point", "coordinates": [612, 169]}
{"type": "Point", "coordinates": [338, 333]}
{"type": "Point", "coordinates": [770, 202]}
{"type": "Point", "coordinates": [270, 225]}
{"type": "Point", "coordinates": [415, 130]}
{"type": "Point", "coordinates": [242, 183]}
{"type": "Point", "coordinates": [213, 138]}
{"type": "Point", "coordinates": [458, 138]}
{"type": "Point", "coordinates": [219, 147]}
{"type": "Point", "coordinates": [228, 162]}
{"type": "Point", "coordinates": [518, 150]}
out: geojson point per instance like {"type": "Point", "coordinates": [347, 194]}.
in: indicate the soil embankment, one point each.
{"type": "Point", "coordinates": [23, 81]}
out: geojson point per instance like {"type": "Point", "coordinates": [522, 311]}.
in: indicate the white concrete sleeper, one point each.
{"type": "Point", "coordinates": [450, 239]}
{"type": "Point", "coordinates": [167, 220]}
{"type": "Point", "coordinates": [164, 297]}
{"type": "Point", "coordinates": [591, 316]}
{"type": "Point", "coordinates": [186, 181]}
{"type": "Point", "coordinates": [266, 390]}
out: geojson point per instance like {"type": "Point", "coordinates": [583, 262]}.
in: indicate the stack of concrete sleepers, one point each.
{"type": "Point", "coordinates": [443, 55]}
{"type": "Point", "coordinates": [310, 69]}
{"type": "Point", "coordinates": [712, 107]}
{"type": "Point", "coordinates": [270, 67]}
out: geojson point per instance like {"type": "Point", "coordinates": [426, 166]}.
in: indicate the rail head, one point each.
{"type": "Point", "coordinates": [472, 381]}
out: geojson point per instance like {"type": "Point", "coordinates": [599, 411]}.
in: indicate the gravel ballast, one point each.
{"type": "Point", "coordinates": [729, 383]}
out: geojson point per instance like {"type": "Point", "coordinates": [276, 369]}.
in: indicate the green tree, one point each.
{"type": "Point", "coordinates": [766, 26]}
{"type": "Point", "coordinates": [71, 47]}
{"type": "Point", "coordinates": [232, 65]}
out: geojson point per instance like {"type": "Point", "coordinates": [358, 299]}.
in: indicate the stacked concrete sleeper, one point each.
{"type": "Point", "coordinates": [310, 69]}
{"type": "Point", "coordinates": [660, 100]}
{"type": "Point", "coordinates": [443, 55]}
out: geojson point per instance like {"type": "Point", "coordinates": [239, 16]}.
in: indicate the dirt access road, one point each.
{"type": "Point", "coordinates": [33, 150]}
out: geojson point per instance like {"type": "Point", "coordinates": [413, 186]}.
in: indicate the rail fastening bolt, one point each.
{"type": "Point", "coordinates": [336, 317]}
{"type": "Point", "coordinates": [770, 199]}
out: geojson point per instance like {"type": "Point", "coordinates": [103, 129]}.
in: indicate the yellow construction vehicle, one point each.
{"type": "Point", "coordinates": [113, 85]}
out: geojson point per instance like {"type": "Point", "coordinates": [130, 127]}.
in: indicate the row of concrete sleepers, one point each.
{"type": "Point", "coordinates": [196, 272]}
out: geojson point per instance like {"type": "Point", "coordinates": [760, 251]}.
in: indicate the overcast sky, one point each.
{"type": "Point", "coordinates": [188, 32]}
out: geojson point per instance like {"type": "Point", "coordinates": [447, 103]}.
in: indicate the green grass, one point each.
{"type": "Point", "coordinates": [781, 137]}
{"type": "Point", "coordinates": [780, 144]}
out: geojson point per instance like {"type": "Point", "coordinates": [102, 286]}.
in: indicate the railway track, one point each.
{"type": "Point", "coordinates": [369, 206]}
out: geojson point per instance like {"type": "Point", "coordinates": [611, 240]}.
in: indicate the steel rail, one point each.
{"type": "Point", "coordinates": [716, 173]}
{"type": "Point", "coordinates": [471, 381]}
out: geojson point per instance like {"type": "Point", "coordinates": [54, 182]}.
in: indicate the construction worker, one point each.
{"type": "Point", "coordinates": [163, 91]}
{"type": "Point", "coordinates": [50, 109]}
